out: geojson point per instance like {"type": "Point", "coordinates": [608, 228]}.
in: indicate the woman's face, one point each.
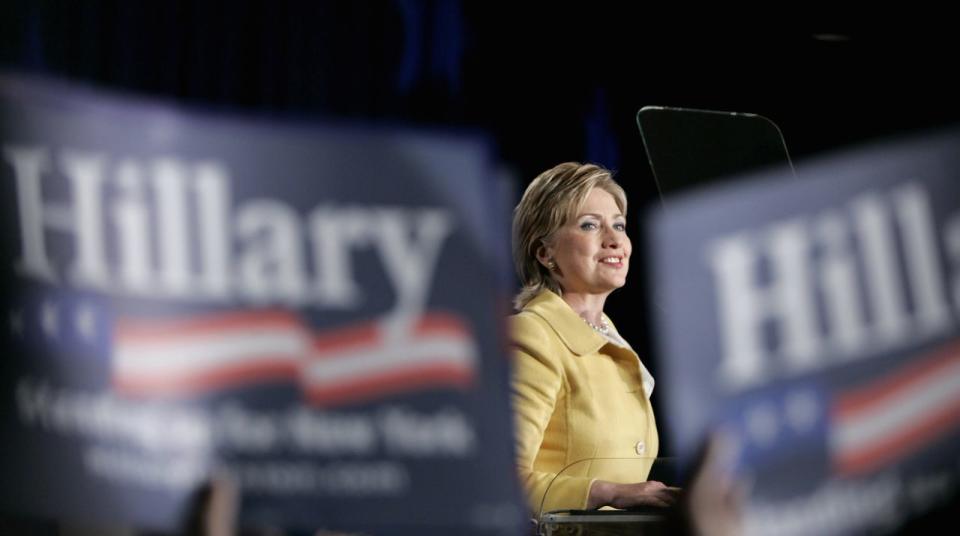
{"type": "Point", "coordinates": [592, 251]}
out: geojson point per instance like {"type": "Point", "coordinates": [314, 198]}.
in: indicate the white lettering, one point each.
{"type": "Point", "coordinates": [271, 263]}
{"type": "Point", "coordinates": [880, 263]}
{"type": "Point", "coordinates": [169, 184]}
{"type": "Point", "coordinates": [744, 306]}
{"type": "Point", "coordinates": [332, 232]}
{"type": "Point", "coordinates": [131, 221]}
{"type": "Point", "coordinates": [951, 237]}
{"type": "Point", "coordinates": [213, 202]}
{"type": "Point", "coordinates": [776, 326]}
{"type": "Point", "coordinates": [841, 288]}
{"type": "Point", "coordinates": [28, 164]}
{"type": "Point", "coordinates": [84, 171]}
{"type": "Point", "coordinates": [931, 311]}
{"type": "Point", "coordinates": [171, 232]}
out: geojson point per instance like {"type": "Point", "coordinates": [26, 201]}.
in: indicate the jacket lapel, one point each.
{"type": "Point", "coordinates": [570, 328]}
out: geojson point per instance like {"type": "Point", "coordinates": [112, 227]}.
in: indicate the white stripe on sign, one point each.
{"type": "Point", "coordinates": [199, 353]}
{"type": "Point", "coordinates": [379, 359]}
{"type": "Point", "coordinates": [896, 414]}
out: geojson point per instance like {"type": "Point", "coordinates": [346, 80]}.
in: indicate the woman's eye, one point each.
{"type": "Point", "coordinates": [620, 226]}
{"type": "Point", "coordinates": [588, 226]}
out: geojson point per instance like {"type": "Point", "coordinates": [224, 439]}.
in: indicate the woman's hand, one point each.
{"type": "Point", "coordinates": [625, 496]}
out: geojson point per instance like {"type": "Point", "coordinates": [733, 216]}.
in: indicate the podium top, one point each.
{"type": "Point", "coordinates": [689, 148]}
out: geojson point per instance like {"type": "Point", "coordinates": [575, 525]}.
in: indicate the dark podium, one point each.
{"type": "Point", "coordinates": [643, 521]}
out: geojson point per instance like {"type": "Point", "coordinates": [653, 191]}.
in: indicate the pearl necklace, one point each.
{"type": "Point", "coordinates": [603, 328]}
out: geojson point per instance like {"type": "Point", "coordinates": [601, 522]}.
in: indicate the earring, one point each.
{"type": "Point", "coordinates": [552, 265]}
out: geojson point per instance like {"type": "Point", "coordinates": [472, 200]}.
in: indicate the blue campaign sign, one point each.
{"type": "Point", "coordinates": [816, 323]}
{"type": "Point", "coordinates": [315, 309]}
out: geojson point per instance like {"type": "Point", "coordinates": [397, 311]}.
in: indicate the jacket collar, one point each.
{"type": "Point", "coordinates": [573, 331]}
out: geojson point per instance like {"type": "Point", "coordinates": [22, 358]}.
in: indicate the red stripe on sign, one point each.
{"type": "Point", "coordinates": [921, 371]}
{"type": "Point", "coordinates": [266, 368]}
{"type": "Point", "coordinates": [127, 331]}
{"type": "Point", "coordinates": [346, 339]}
{"type": "Point", "coordinates": [903, 442]}
{"type": "Point", "coordinates": [371, 387]}
{"type": "Point", "coordinates": [440, 323]}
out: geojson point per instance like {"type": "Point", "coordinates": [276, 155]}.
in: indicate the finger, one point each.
{"type": "Point", "coordinates": [661, 499]}
{"type": "Point", "coordinates": [651, 500]}
{"type": "Point", "coordinates": [222, 510]}
{"type": "Point", "coordinates": [670, 498]}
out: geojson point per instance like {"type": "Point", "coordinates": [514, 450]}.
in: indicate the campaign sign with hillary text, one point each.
{"type": "Point", "coordinates": [315, 311]}
{"type": "Point", "coordinates": [815, 323]}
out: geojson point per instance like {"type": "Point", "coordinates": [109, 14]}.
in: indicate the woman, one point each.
{"type": "Point", "coordinates": [585, 427]}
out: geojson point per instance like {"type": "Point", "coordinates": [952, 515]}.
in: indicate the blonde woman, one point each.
{"type": "Point", "coordinates": [584, 424]}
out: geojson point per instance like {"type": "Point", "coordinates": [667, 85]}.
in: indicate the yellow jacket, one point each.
{"type": "Point", "coordinates": [577, 399]}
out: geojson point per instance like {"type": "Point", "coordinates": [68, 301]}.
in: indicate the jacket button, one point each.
{"type": "Point", "coordinates": [641, 447]}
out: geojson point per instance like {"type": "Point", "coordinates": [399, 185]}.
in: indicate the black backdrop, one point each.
{"type": "Point", "coordinates": [548, 83]}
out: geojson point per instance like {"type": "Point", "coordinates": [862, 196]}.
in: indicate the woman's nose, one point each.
{"type": "Point", "coordinates": [611, 238]}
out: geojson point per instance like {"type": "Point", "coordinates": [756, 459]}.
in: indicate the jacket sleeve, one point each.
{"type": "Point", "coordinates": [538, 385]}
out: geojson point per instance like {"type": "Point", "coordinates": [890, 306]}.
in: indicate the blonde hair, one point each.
{"type": "Point", "coordinates": [552, 200]}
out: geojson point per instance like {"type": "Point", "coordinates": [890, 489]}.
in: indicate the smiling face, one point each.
{"type": "Point", "coordinates": [592, 250]}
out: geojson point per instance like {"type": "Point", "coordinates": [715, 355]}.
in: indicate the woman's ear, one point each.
{"type": "Point", "coordinates": [545, 256]}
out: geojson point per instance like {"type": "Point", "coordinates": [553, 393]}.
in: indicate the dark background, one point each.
{"type": "Point", "coordinates": [548, 83]}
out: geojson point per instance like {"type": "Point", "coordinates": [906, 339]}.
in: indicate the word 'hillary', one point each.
{"type": "Point", "coordinates": [842, 284]}
{"type": "Point", "coordinates": [166, 228]}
